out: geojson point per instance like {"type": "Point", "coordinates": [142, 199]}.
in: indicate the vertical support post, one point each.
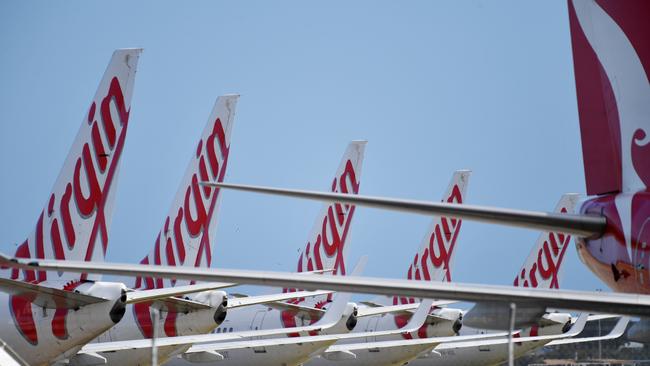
{"type": "Point", "coordinates": [154, 347]}
{"type": "Point", "coordinates": [511, 330]}
{"type": "Point", "coordinates": [600, 346]}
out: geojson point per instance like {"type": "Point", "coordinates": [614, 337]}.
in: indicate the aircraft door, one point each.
{"type": "Point", "coordinates": [371, 327]}
{"type": "Point", "coordinates": [256, 324]}
{"type": "Point", "coordinates": [258, 319]}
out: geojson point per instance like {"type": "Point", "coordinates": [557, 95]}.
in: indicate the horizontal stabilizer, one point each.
{"type": "Point", "coordinates": [579, 225]}
{"type": "Point", "coordinates": [47, 297]}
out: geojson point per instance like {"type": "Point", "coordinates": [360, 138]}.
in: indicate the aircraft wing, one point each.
{"type": "Point", "coordinates": [137, 296]}
{"type": "Point", "coordinates": [47, 297]}
{"type": "Point", "coordinates": [601, 317]}
{"type": "Point", "coordinates": [578, 225]}
{"type": "Point", "coordinates": [576, 329]}
{"type": "Point", "coordinates": [617, 331]}
{"type": "Point", "coordinates": [9, 357]}
{"type": "Point", "coordinates": [406, 309]}
{"type": "Point", "coordinates": [584, 301]}
{"type": "Point", "coordinates": [265, 299]}
{"type": "Point", "coordinates": [299, 310]}
{"type": "Point", "coordinates": [258, 343]}
{"type": "Point", "coordinates": [406, 350]}
{"type": "Point", "coordinates": [416, 321]}
{"type": "Point", "coordinates": [379, 310]}
{"type": "Point", "coordinates": [331, 318]}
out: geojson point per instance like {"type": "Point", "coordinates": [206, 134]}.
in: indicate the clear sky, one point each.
{"type": "Point", "coordinates": [434, 87]}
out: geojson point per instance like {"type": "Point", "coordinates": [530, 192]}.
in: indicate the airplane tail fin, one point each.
{"type": "Point", "coordinates": [75, 222]}
{"type": "Point", "coordinates": [326, 245]}
{"type": "Point", "coordinates": [188, 231]}
{"type": "Point", "coordinates": [611, 56]}
{"type": "Point", "coordinates": [434, 259]}
{"type": "Point", "coordinates": [542, 267]}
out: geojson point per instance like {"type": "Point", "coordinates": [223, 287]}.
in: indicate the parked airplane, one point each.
{"type": "Point", "coordinates": [51, 314]}
{"type": "Point", "coordinates": [611, 61]}
{"type": "Point", "coordinates": [186, 237]}
{"type": "Point", "coordinates": [335, 319]}
{"type": "Point", "coordinates": [432, 262]}
{"type": "Point", "coordinates": [540, 269]}
{"type": "Point", "coordinates": [610, 229]}
{"type": "Point", "coordinates": [441, 321]}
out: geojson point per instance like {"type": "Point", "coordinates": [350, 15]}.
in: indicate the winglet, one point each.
{"type": "Point", "coordinates": [336, 309]}
{"type": "Point", "coordinates": [417, 320]}
{"type": "Point", "coordinates": [361, 266]}
{"type": "Point", "coordinates": [616, 332]}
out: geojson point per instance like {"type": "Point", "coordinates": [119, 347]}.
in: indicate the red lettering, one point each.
{"type": "Point", "coordinates": [68, 228]}
{"type": "Point", "coordinates": [438, 259]}
{"type": "Point", "coordinates": [58, 324]}
{"type": "Point", "coordinates": [21, 310]}
{"type": "Point", "coordinates": [178, 237]}
{"type": "Point", "coordinates": [100, 153]}
{"type": "Point", "coordinates": [114, 95]}
{"type": "Point", "coordinates": [423, 262]}
{"type": "Point", "coordinates": [23, 252]}
{"type": "Point", "coordinates": [57, 246]}
{"type": "Point", "coordinates": [86, 205]}
{"type": "Point", "coordinates": [194, 225]}
{"type": "Point", "coordinates": [143, 318]}
{"type": "Point", "coordinates": [548, 271]}
{"type": "Point", "coordinates": [40, 252]}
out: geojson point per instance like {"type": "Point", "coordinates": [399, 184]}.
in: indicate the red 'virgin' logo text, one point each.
{"type": "Point", "coordinates": [98, 159]}
{"type": "Point", "coordinates": [547, 265]}
{"type": "Point", "coordinates": [329, 242]}
{"type": "Point", "coordinates": [190, 222]}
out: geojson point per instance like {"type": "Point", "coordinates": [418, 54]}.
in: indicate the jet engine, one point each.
{"type": "Point", "coordinates": [348, 320]}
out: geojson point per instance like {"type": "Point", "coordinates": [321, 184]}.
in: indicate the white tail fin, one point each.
{"type": "Point", "coordinates": [326, 245]}
{"type": "Point", "coordinates": [542, 267]}
{"type": "Point", "coordinates": [188, 231]}
{"type": "Point", "coordinates": [75, 222]}
{"type": "Point", "coordinates": [434, 258]}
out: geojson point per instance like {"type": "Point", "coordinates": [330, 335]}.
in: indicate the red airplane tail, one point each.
{"type": "Point", "coordinates": [611, 54]}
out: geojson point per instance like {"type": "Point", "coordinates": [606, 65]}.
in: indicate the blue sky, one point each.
{"type": "Point", "coordinates": [433, 86]}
